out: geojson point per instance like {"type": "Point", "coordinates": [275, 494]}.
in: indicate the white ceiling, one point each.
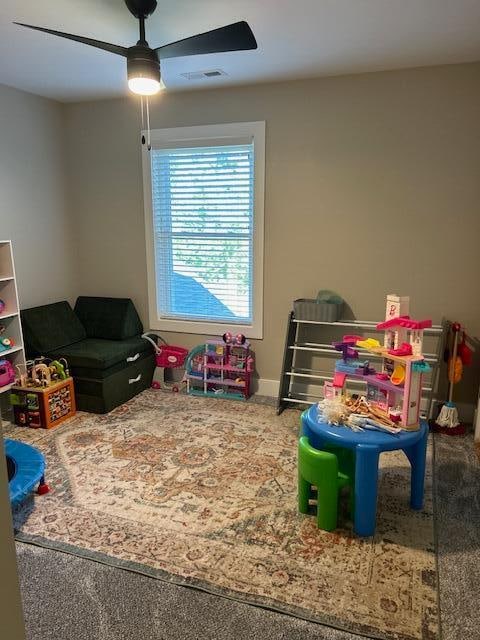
{"type": "Point", "coordinates": [296, 38]}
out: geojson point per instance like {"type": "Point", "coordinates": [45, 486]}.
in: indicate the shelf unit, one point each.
{"type": "Point", "coordinates": [210, 372]}
{"type": "Point", "coordinates": [301, 349]}
{"type": "Point", "coordinates": [10, 318]}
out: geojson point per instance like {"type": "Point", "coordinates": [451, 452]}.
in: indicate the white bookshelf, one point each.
{"type": "Point", "coordinates": [10, 316]}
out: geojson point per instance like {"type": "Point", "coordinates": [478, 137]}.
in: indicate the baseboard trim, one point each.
{"type": "Point", "coordinates": [265, 387]}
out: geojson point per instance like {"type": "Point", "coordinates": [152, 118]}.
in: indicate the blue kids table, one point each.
{"type": "Point", "coordinates": [368, 445]}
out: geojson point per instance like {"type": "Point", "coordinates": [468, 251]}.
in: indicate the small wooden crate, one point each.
{"type": "Point", "coordinates": [44, 407]}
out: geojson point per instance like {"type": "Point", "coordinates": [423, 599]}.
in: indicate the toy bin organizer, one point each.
{"type": "Point", "coordinates": [327, 307]}
{"type": "Point", "coordinates": [220, 369]}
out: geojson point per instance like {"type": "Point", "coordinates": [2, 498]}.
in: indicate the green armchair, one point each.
{"type": "Point", "coordinates": [101, 340]}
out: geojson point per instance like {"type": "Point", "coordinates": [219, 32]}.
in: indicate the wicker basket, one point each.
{"type": "Point", "coordinates": [309, 309]}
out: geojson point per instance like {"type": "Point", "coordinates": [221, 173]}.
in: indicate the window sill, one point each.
{"type": "Point", "coordinates": [253, 331]}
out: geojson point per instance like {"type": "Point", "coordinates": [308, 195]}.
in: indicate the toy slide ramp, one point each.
{"type": "Point", "coordinates": [339, 379]}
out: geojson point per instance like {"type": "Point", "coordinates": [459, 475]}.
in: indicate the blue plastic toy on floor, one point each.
{"type": "Point", "coordinates": [26, 468]}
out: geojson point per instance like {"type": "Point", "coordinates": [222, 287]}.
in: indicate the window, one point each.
{"type": "Point", "coordinates": [204, 191]}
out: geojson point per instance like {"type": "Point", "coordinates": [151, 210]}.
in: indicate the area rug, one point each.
{"type": "Point", "coordinates": [202, 492]}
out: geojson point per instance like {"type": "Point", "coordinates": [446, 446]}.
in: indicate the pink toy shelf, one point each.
{"type": "Point", "coordinates": [220, 369]}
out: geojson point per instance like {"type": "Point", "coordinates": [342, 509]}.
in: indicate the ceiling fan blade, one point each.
{"type": "Point", "coordinates": [106, 46]}
{"type": "Point", "coordinates": [234, 37]}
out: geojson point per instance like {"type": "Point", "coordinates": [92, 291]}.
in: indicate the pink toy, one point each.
{"type": "Point", "coordinates": [406, 322]}
{"type": "Point", "coordinates": [2, 306]}
{"type": "Point", "coordinates": [396, 330]}
{"type": "Point", "coordinates": [167, 356]}
{"type": "Point", "coordinates": [397, 388]}
{"type": "Point", "coordinates": [228, 338]}
{"type": "Point", "coordinates": [7, 373]}
{"type": "Point", "coordinates": [339, 379]}
{"type": "Point", "coordinates": [405, 349]}
{"type": "Point", "coordinates": [221, 368]}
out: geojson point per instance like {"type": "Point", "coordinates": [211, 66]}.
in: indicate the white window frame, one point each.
{"type": "Point", "coordinates": [207, 135]}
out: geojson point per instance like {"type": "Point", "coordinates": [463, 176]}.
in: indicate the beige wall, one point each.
{"type": "Point", "coordinates": [372, 186]}
{"type": "Point", "coordinates": [33, 211]}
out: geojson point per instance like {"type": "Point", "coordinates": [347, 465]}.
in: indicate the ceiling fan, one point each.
{"type": "Point", "coordinates": [143, 62]}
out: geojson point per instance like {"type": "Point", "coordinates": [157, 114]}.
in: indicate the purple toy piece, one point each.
{"type": "Point", "coordinates": [346, 348]}
{"type": "Point", "coordinates": [366, 369]}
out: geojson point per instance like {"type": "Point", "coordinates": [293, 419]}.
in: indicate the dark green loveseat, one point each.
{"type": "Point", "coordinates": [101, 340]}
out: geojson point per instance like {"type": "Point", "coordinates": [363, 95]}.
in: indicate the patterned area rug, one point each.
{"type": "Point", "coordinates": [203, 492]}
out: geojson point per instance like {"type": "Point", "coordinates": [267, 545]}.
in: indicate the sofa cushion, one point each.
{"type": "Point", "coordinates": [108, 318]}
{"type": "Point", "coordinates": [96, 353]}
{"type": "Point", "coordinates": [49, 327]}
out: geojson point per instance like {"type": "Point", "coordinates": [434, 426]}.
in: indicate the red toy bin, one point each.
{"type": "Point", "coordinates": [171, 357]}
{"type": "Point", "coordinates": [167, 356]}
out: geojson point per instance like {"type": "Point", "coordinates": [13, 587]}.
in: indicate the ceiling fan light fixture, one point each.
{"type": "Point", "coordinates": [143, 70]}
{"type": "Point", "coordinates": [144, 86]}
{"type": "Point", "coordinates": [143, 62]}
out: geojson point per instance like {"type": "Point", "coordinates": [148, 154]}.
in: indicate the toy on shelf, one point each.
{"type": "Point", "coordinates": [7, 373]}
{"type": "Point", "coordinates": [6, 344]}
{"type": "Point", "coordinates": [221, 368]}
{"type": "Point", "coordinates": [166, 357]}
{"type": "Point", "coordinates": [3, 306]}
{"type": "Point", "coordinates": [398, 375]}
{"type": "Point", "coordinates": [394, 391]}
{"type": "Point", "coordinates": [44, 394]}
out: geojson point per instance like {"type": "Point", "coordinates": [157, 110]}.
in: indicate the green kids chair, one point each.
{"type": "Point", "coordinates": [320, 469]}
{"type": "Point", "coordinates": [345, 457]}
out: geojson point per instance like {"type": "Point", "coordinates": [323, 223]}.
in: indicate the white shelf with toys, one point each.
{"type": "Point", "coordinates": [12, 353]}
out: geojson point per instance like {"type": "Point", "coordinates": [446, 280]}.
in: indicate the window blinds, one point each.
{"type": "Point", "coordinates": [203, 232]}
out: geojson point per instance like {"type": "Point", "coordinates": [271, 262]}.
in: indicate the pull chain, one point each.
{"type": "Point", "coordinates": [149, 145]}
{"type": "Point", "coordinates": [144, 105]}
{"type": "Point", "coordinates": [143, 119]}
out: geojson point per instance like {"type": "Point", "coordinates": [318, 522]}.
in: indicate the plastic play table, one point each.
{"type": "Point", "coordinates": [368, 445]}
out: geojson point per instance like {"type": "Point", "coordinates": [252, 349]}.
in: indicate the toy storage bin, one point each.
{"type": "Point", "coordinates": [319, 311]}
{"type": "Point", "coordinates": [167, 356]}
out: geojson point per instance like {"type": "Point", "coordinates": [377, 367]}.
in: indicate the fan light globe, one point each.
{"type": "Point", "coordinates": [144, 86]}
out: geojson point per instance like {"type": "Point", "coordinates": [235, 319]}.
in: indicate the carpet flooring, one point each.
{"type": "Point", "coordinates": [67, 597]}
{"type": "Point", "coordinates": [70, 598]}
{"type": "Point", "coordinates": [203, 493]}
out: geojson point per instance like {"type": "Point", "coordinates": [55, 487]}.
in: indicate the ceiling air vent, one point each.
{"type": "Point", "coordinates": [200, 75]}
